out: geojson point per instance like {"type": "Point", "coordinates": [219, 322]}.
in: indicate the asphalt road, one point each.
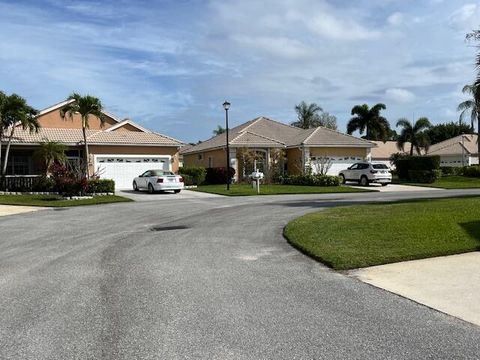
{"type": "Point", "coordinates": [219, 282]}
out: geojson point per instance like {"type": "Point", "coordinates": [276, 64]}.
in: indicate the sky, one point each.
{"type": "Point", "coordinates": [170, 64]}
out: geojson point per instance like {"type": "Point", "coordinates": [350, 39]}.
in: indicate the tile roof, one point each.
{"type": "Point", "coordinates": [386, 149]}
{"type": "Point", "coordinates": [265, 132]}
{"type": "Point", "coordinates": [75, 137]}
{"type": "Point", "coordinates": [455, 146]}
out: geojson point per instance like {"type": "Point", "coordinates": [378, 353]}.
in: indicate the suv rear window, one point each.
{"type": "Point", "coordinates": [380, 166]}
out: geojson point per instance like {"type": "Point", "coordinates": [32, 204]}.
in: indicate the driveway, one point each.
{"type": "Point", "coordinates": [6, 210]}
{"type": "Point", "coordinates": [396, 188]}
{"type": "Point", "coordinates": [197, 279]}
{"type": "Point", "coordinates": [167, 196]}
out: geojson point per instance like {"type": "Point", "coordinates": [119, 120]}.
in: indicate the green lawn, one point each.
{"type": "Point", "coordinates": [365, 235]}
{"type": "Point", "coordinates": [450, 182]}
{"type": "Point", "coordinates": [57, 201]}
{"type": "Point", "coordinates": [246, 189]}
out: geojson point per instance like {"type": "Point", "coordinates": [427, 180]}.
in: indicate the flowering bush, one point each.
{"type": "Point", "coordinates": [67, 181]}
{"type": "Point", "coordinates": [218, 175]}
{"type": "Point", "coordinates": [310, 180]}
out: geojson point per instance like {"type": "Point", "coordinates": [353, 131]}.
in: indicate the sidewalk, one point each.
{"type": "Point", "coordinates": [6, 210]}
{"type": "Point", "coordinates": [450, 284]}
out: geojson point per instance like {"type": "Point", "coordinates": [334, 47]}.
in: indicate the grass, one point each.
{"type": "Point", "coordinates": [451, 182]}
{"type": "Point", "coordinates": [57, 201]}
{"type": "Point", "coordinates": [247, 190]}
{"type": "Point", "coordinates": [365, 235]}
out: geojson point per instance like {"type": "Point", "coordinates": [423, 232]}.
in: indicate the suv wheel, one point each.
{"type": "Point", "coordinates": [342, 178]}
{"type": "Point", "coordinates": [364, 181]}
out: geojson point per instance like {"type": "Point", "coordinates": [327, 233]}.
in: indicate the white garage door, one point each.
{"type": "Point", "coordinates": [338, 163]}
{"type": "Point", "coordinates": [123, 169]}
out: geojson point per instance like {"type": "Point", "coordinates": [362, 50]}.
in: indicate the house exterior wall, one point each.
{"type": "Point", "coordinates": [339, 151]}
{"type": "Point", "coordinates": [218, 159]}
{"type": "Point", "coordinates": [53, 119]}
{"type": "Point", "coordinates": [134, 150]}
{"type": "Point", "coordinates": [294, 161]}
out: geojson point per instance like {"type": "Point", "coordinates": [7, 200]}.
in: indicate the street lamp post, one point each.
{"type": "Point", "coordinates": [226, 106]}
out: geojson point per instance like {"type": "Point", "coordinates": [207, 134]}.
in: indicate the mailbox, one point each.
{"type": "Point", "coordinates": [257, 175]}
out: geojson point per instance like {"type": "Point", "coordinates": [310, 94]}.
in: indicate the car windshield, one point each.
{"type": "Point", "coordinates": [161, 173]}
{"type": "Point", "coordinates": [380, 166]}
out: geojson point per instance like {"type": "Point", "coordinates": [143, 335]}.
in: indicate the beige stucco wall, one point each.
{"type": "Point", "coordinates": [53, 119]}
{"type": "Point", "coordinates": [135, 150]}
{"type": "Point", "coordinates": [338, 151]}
{"type": "Point", "coordinates": [127, 127]}
{"type": "Point", "coordinates": [219, 158]}
{"type": "Point", "coordinates": [294, 161]}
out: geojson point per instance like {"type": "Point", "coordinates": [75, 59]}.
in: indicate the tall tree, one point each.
{"type": "Point", "coordinates": [475, 89]}
{"type": "Point", "coordinates": [471, 106]}
{"type": "Point", "coordinates": [414, 133]}
{"type": "Point", "coordinates": [219, 130]}
{"type": "Point", "coordinates": [327, 120]}
{"type": "Point", "coordinates": [50, 152]}
{"type": "Point", "coordinates": [17, 113]}
{"type": "Point", "coordinates": [3, 121]}
{"type": "Point", "coordinates": [441, 132]}
{"type": "Point", "coordinates": [307, 115]}
{"type": "Point", "coordinates": [84, 106]}
{"type": "Point", "coordinates": [369, 121]}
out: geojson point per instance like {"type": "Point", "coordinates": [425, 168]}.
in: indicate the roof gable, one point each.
{"type": "Point", "coordinates": [128, 125]}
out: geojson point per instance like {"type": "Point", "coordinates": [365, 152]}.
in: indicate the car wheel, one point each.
{"type": "Point", "coordinates": [135, 187]}
{"type": "Point", "coordinates": [151, 190]}
{"type": "Point", "coordinates": [384, 184]}
{"type": "Point", "coordinates": [342, 179]}
{"type": "Point", "coordinates": [364, 181]}
{"type": "Point", "coordinates": [176, 191]}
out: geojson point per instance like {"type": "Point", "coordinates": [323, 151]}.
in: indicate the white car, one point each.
{"type": "Point", "coordinates": [365, 173]}
{"type": "Point", "coordinates": [158, 180]}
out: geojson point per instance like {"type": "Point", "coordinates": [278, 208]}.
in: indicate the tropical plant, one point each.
{"type": "Point", "coordinates": [307, 115]}
{"type": "Point", "coordinates": [3, 123]}
{"type": "Point", "coordinates": [369, 121]}
{"type": "Point", "coordinates": [85, 106]}
{"type": "Point", "coordinates": [327, 120]}
{"type": "Point", "coordinates": [470, 106]}
{"type": "Point", "coordinates": [219, 130]}
{"type": "Point", "coordinates": [17, 113]}
{"type": "Point", "coordinates": [414, 133]}
{"type": "Point", "coordinates": [50, 152]}
{"type": "Point", "coordinates": [474, 89]}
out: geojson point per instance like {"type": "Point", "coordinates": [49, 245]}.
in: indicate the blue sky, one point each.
{"type": "Point", "coordinates": [169, 65]}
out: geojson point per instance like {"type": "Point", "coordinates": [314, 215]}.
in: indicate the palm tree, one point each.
{"type": "Point", "coordinates": [17, 113]}
{"type": "Point", "coordinates": [370, 121]}
{"type": "Point", "coordinates": [307, 115]}
{"type": "Point", "coordinates": [415, 134]}
{"type": "Point", "coordinates": [85, 106]}
{"type": "Point", "coordinates": [3, 123]}
{"type": "Point", "coordinates": [219, 130]}
{"type": "Point", "coordinates": [50, 152]}
{"type": "Point", "coordinates": [471, 105]}
{"type": "Point", "coordinates": [474, 104]}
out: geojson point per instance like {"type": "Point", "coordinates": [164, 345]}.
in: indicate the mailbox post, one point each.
{"type": "Point", "coordinates": [256, 177]}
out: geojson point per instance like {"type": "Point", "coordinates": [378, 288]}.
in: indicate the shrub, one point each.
{"type": "Point", "coordinates": [404, 165]}
{"type": "Point", "coordinates": [43, 183]}
{"type": "Point", "coordinates": [67, 181]}
{"type": "Point", "coordinates": [451, 170]}
{"type": "Point", "coordinates": [471, 171]}
{"type": "Point", "coordinates": [193, 175]}
{"type": "Point", "coordinates": [218, 175]}
{"type": "Point", "coordinates": [424, 176]}
{"type": "Point", "coordinates": [100, 186]}
{"type": "Point", "coordinates": [310, 180]}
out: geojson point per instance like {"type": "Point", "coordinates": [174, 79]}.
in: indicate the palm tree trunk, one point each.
{"type": "Point", "coordinates": [478, 137]}
{"type": "Point", "coordinates": [86, 151]}
{"type": "Point", "coordinates": [411, 149]}
{"type": "Point", "coordinates": [2, 178]}
{"type": "Point", "coordinates": [7, 152]}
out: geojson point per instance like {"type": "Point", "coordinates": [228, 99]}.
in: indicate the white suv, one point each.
{"type": "Point", "coordinates": [365, 173]}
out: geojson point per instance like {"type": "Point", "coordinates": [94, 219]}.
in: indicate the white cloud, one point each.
{"type": "Point", "coordinates": [277, 46]}
{"type": "Point", "coordinates": [465, 18]}
{"type": "Point", "coordinates": [395, 19]}
{"type": "Point", "coordinates": [399, 95]}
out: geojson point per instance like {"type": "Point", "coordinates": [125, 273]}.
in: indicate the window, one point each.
{"type": "Point", "coordinates": [379, 166]}
{"type": "Point", "coordinates": [200, 156]}
{"type": "Point", "coordinates": [210, 162]}
{"type": "Point", "coordinates": [18, 165]}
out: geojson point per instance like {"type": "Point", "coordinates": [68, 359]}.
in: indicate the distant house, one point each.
{"type": "Point", "coordinates": [384, 150]}
{"type": "Point", "coordinates": [120, 150]}
{"type": "Point", "coordinates": [302, 149]}
{"type": "Point", "coordinates": [460, 150]}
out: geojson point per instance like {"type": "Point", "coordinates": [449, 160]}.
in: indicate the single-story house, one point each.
{"type": "Point", "coordinates": [120, 150]}
{"type": "Point", "coordinates": [301, 149]}
{"type": "Point", "coordinates": [458, 151]}
{"type": "Point", "coordinates": [384, 150]}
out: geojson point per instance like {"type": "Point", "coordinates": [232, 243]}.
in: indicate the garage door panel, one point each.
{"type": "Point", "coordinates": [124, 169]}
{"type": "Point", "coordinates": [338, 163]}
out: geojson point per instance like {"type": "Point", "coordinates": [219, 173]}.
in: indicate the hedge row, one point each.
{"type": "Point", "coordinates": [407, 164]}
{"type": "Point", "coordinates": [193, 175]}
{"type": "Point", "coordinates": [310, 180]}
